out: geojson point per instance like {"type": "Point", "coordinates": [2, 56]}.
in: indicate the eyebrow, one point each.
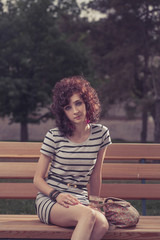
{"type": "Point", "coordinates": [78, 100]}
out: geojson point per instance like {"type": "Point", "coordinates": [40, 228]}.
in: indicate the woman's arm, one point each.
{"type": "Point", "coordinates": [40, 174]}
{"type": "Point", "coordinates": [96, 177]}
{"type": "Point", "coordinates": [65, 199]}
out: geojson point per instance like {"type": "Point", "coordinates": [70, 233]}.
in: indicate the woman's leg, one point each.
{"type": "Point", "coordinates": [100, 227]}
{"type": "Point", "coordinates": [81, 216]}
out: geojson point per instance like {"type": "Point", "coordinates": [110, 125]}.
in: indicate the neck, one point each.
{"type": "Point", "coordinates": [81, 133]}
{"type": "Point", "coordinates": [81, 129]}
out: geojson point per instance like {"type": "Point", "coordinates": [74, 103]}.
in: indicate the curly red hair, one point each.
{"type": "Point", "coordinates": [62, 92]}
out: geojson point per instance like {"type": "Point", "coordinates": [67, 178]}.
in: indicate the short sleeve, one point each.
{"type": "Point", "coordinates": [48, 146]}
{"type": "Point", "coordinates": [106, 139]}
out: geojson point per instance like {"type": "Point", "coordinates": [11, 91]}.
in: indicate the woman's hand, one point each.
{"type": "Point", "coordinates": [66, 199]}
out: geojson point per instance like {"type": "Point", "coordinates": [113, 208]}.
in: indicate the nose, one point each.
{"type": "Point", "coordinates": [75, 110]}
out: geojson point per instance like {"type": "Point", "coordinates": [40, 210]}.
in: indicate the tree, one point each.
{"type": "Point", "coordinates": [124, 43]}
{"type": "Point", "coordinates": [155, 73]}
{"type": "Point", "coordinates": [34, 54]}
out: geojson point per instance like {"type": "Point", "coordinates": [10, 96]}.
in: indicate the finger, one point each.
{"type": "Point", "coordinates": [73, 201]}
{"type": "Point", "coordinates": [66, 205]}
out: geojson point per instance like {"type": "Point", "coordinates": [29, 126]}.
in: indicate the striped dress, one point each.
{"type": "Point", "coordinates": [71, 163]}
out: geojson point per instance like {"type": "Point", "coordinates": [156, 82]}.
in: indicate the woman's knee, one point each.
{"type": "Point", "coordinates": [89, 214]}
{"type": "Point", "coordinates": [102, 224]}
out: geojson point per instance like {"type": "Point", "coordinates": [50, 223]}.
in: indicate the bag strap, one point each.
{"type": "Point", "coordinates": [99, 199]}
{"type": "Point", "coordinates": [114, 199]}
{"type": "Point", "coordinates": [101, 202]}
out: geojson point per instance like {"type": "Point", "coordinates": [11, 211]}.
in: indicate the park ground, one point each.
{"type": "Point", "coordinates": [120, 130]}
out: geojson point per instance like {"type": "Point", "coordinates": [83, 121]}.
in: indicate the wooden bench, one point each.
{"type": "Point", "coordinates": [122, 162]}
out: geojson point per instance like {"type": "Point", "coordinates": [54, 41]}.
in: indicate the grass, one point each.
{"type": "Point", "coordinates": [17, 206]}
{"type": "Point", "coordinates": [152, 207]}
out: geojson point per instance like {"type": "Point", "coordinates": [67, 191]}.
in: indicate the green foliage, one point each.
{"type": "Point", "coordinates": [125, 42]}
{"type": "Point", "coordinates": [44, 41]}
{"type": "Point", "coordinates": [34, 54]}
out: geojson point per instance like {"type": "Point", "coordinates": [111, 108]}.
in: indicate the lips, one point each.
{"type": "Point", "coordinates": [77, 117]}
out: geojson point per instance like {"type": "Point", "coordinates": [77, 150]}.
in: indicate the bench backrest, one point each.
{"type": "Point", "coordinates": [125, 165]}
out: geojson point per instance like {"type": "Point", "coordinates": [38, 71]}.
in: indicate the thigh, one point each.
{"type": "Point", "coordinates": [67, 217]}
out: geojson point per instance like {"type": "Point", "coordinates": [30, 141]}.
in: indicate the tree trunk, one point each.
{"type": "Point", "coordinates": [157, 121]}
{"type": "Point", "coordinates": [144, 125]}
{"type": "Point", "coordinates": [24, 132]}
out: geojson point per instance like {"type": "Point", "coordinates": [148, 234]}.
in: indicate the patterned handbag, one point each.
{"type": "Point", "coordinates": [119, 213]}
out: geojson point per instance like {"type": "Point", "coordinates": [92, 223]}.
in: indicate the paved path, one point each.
{"type": "Point", "coordinates": [128, 130]}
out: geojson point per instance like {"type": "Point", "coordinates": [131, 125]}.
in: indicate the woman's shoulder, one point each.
{"type": "Point", "coordinates": [54, 132]}
{"type": "Point", "coordinates": [99, 127]}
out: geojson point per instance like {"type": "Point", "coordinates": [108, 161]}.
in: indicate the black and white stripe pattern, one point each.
{"type": "Point", "coordinates": [72, 163]}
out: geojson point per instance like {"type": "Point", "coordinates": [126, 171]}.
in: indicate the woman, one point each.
{"type": "Point", "coordinates": [75, 149]}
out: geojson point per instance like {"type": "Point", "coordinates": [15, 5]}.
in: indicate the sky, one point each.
{"type": "Point", "coordinates": [91, 14]}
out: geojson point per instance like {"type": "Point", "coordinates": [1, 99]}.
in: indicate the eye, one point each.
{"type": "Point", "coordinates": [78, 103]}
{"type": "Point", "coordinates": [67, 108]}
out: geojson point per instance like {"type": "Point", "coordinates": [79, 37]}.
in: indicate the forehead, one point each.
{"type": "Point", "coordinates": [75, 97]}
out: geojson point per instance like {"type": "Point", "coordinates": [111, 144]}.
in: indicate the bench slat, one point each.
{"type": "Point", "coordinates": [17, 170]}
{"type": "Point", "coordinates": [131, 191]}
{"type": "Point", "coordinates": [131, 171]}
{"type": "Point", "coordinates": [110, 171]}
{"type": "Point", "coordinates": [126, 191]}
{"type": "Point", "coordinates": [116, 151]}
{"type": "Point", "coordinates": [16, 150]}
{"type": "Point", "coordinates": [17, 191]}
{"type": "Point", "coordinates": [129, 151]}
{"type": "Point", "coordinates": [25, 226]}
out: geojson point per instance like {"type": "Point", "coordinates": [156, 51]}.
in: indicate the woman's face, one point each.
{"type": "Point", "coordinates": [76, 109]}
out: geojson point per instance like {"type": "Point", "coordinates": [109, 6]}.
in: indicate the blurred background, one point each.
{"type": "Point", "coordinates": [114, 44]}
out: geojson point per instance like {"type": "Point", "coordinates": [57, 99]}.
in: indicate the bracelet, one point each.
{"type": "Point", "coordinates": [54, 196]}
{"type": "Point", "coordinates": [51, 193]}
